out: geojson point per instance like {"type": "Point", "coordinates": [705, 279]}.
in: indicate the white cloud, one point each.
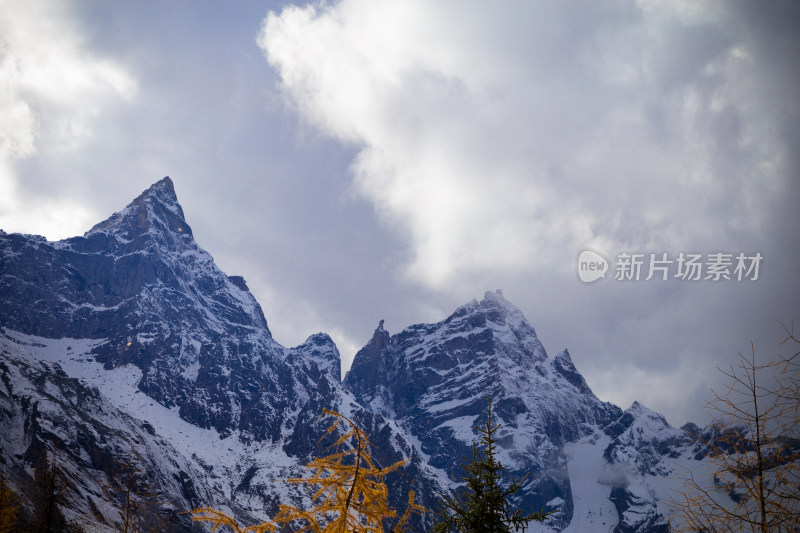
{"type": "Point", "coordinates": [52, 88]}
{"type": "Point", "coordinates": [504, 139]}
{"type": "Point", "coordinates": [48, 216]}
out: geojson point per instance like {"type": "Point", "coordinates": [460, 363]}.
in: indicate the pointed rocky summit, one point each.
{"type": "Point", "coordinates": [155, 215]}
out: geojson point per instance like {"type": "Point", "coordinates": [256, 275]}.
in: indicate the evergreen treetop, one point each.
{"type": "Point", "coordinates": [485, 507]}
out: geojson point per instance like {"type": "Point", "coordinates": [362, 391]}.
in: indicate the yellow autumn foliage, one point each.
{"type": "Point", "coordinates": [9, 505]}
{"type": "Point", "coordinates": [347, 487]}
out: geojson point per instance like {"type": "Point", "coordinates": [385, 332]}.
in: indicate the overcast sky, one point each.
{"type": "Point", "coordinates": [364, 160]}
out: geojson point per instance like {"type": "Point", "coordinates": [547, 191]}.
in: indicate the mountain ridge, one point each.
{"type": "Point", "coordinates": [138, 310]}
{"type": "Point", "coordinates": [137, 303]}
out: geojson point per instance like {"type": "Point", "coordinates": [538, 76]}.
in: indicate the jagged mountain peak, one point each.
{"type": "Point", "coordinates": [154, 213]}
{"type": "Point", "coordinates": [380, 336]}
{"type": "Point", "coordinates": [563, 365]}
{"type": "Point", "coordinates": [648, 418]}
{"type": "Point", "coordinates": [140, 283]}
{"type": "Point", "coordinates": [639, 422]}
{"type": "Point", "coordinates": [320, 350]}
{"type": "Point", "coordinates": [434, 380]}
{"type": "Point", "coordinates": [493, 301]}
{"type": "Point", "coordinates": [501, 320]}
{"type": "Point", "coordinates": [491, 331]}
{"type": "Point", "coordinates": [487, 345]}
{"type": "Point", "coordinates": [163, 190]}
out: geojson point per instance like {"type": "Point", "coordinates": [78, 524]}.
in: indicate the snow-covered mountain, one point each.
{"type": "Point", "coordinates": [136, 312]}
{"type": "Point", "coordinates": [44, 409]}
{"type": "Point", "coordinates": [132, 334]}
{"type": "Point", "coordinates": [434, 380]}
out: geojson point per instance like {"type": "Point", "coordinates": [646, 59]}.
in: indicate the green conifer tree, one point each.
{"type": "Point", "coordinates": [485, 507]}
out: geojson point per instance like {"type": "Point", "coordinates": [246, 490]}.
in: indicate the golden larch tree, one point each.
{"type": "Point", "coordinates": [347, 488]}
{"type": "Point", "coordinates": [9, 505]}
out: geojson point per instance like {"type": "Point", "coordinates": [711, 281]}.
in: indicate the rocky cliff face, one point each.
{"type": "Point", "coordinates": [167, 337]}
{"type": "Point", "coordinates": [131, 333]}
{"type": "Point", "coordinates": [601, 468]}
{"type": "Point", "coordinates": [42, 409]}
{"type": "Point", "coordinates": [434, 379]}
{"type": "Point", "coordinates": [139, 282]}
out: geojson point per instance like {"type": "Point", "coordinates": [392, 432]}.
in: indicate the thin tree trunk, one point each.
{"type": "Point", "coordinates": [353, 487]}
{"type": "Point", "coordinates": [762, 504]}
